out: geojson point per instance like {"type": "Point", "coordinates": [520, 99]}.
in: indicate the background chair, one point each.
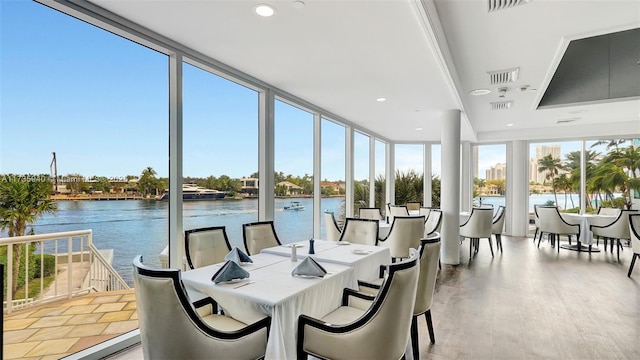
{"type": "Point", "coordinates": [617, 230]}
{"type": "Point", "coordinates": [498, 226]}
{"type": "Point", "coordinates": [634, 230]}
{"type": "Point", "coordinates": [370, 213]}
{"type": "Point", "coordinates": [552, 223]}
{"type": "Point", "coordinates": [365, 327]}
{"type": "Point", "coordinates": [360, 231]}
{"type": "Point", "coordinates": [206, 246]}
{"type": "Point", "coordinates": [172, 328]}
{"type": "Point", "coordinates": [413, 206]}
{"type": "Point", "coordinates": [608, 211]}
{"type": "Point", "coordinates": [433, 222]}
{"type": "Point", "coordinates": [429, 260]}
{"type": "Point", "coordinates": [396, 210]}
{"type": "Point", "coordinates": [259, 235]}
{"type": "Point", "coordinates": [478, 226]}
{"type": "Point", "coordinates": [331, 226]}
{"type": "Point", "coordinates": [405, 233]}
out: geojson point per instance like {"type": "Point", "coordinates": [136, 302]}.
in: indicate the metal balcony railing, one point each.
{"type": "Point", "coordinates": [79, 267]}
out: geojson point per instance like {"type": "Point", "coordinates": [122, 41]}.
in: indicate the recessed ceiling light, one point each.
{"type": "Point", "coordinates": [478, 92]}
{"type": "Point", "coordinates": [265, 10]}
{"type": "Point", "coordinates": [298, 4]}
{"type": "Point", "coordinates": [509, 124]}
{"type": "Point", "coordinates": [381, 99]}
{"type": "Point", "coordinates": [419, 129]}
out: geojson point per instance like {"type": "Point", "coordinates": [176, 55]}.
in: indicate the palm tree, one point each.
{"type": "Point", "coordinates": [551, 168]}
{"type": "Point", "coordinates": [21, 203]}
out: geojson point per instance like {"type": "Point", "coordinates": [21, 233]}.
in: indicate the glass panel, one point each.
{"type": "Point", "coordinates": [380, 180]}
{"type": "Point", "coordinates": [409, 184]}
{"type": "Point", "coordinates": [220, 153]}
{"type": "Point", "coordinates": [436, 168]}
{"type": "Point", "coordinates": [360, 171]}
{"type": "Point", "coordinates": [293, 172]}
{"type": "Point", "coordinates": [332, 167]}
{"type": "Point", "coordinates": [612, 173]}
{"type": "Point", "coordinates": [490, 175]}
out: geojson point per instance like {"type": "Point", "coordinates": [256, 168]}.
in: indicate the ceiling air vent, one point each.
{"type": "Point", "coordinates": [565, 121]}
{"type": "Point", "coordinates": [506, 76]}
{"type": "Point", "coordinates": [495, 5]}
{"type": "Point", "coordinates": [501, 105]}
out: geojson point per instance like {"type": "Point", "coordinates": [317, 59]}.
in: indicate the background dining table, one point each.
{"type": "Point", "coordinates": [586, 236]}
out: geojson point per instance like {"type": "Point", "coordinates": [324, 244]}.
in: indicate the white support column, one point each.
{"type": "Point", "coordinates": [176, 238]}
{"type": "Point", "coordinates": [372, 171]}
{"type": "Point", "coordinates": [317, 174]}
{"type": "Point", "coordinates": [517, 201]}
{"type": "Point", "coordinates": [349, 160]}
{"type": "Point", "coordinates": [391, 173]}
{"type": "Point", "coordinates": [266, 139]}
{"type": "Point", "coordinates": [427, 185]}
{"type": "Point", "coordinates": [466, 177]}
{"type": "Point", "coordinates": [450, 188]}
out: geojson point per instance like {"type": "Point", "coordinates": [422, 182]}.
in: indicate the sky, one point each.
{"type": "Point", "coordinates": [100, 102]}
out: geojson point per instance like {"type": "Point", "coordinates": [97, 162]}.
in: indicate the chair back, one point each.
{"type": "Point", "coordinates": [397, 210]}
{"type": "Point", "coordinates": [360, 231]}
{"type": "Point", "coordinates": [618, 228]}
{"type": "Point", "coordinates": [206, 246]}
{"type": "Point", "coordinates": [413, 206]}
{"type": "Point", "coordinates": [634, 230]}
{"type": "Point", "coordinates": [370, 213]}
{"type": "Point", "coordinates": [429, 255]}
{"type": "Point", "coordinates": [433, 222]}
{"type": "Point", "coordinates": [331, 226]}
{"type": "Point", "coordinates": [608, 211]}
{"type": "Point", "coordinates": [498, 221]}
{"type": "Point", "coordinates": [170, 327]}
{"type": "Point", "coordinates": [479, 223]}
{"type": "Point", "coordinates": [425, 211]}
{"type": "Point", "coordinates": [405, 233]}
{"type": "Point", "coordinates": [552, 222]}
{"type": "Point", "coordinates": [258, 236]}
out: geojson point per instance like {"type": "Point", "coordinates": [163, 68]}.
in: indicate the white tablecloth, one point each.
{"type": "Point", "coordinates": [276, 293]}
{"type": "Point", "coordinates": [365, 265]}
{"type": "Point", "coordinates": [585, 221]}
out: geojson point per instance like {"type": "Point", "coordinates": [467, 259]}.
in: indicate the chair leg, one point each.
{"type": "Point", "coordinates": [432, 336]}
{"type": "Point", "coordinates": [535, 235]}
{"type": "Point", "coordinates": [414, 337]}
{"type": "Point", "coordinates": [470, 248]}
{"type": "Point", "coordinates": [633, 262]}
{"type": "Point", "coordinates": [618, 245]}
{"type": "Point", "coordinates": [491, 246]}
{"type": "Point", "coordinates": [557, 237]}
{"type": "Point", "coordinates": [499, 241]}
{"type": "Point", "coordinates": [569, 236]}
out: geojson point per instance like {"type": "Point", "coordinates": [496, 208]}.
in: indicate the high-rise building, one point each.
{"type": "Point", "coordinates": [497, 172]}
{"type": "Point", "coordinates": [542, 151]}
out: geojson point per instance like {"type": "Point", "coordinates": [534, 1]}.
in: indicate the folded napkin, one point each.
{"type": "Point", "coordinates": [237, 256]}
{"type": "Point", "coordinates": [309, 267]}
{"type": "Point", "coordinates": [229, 271]}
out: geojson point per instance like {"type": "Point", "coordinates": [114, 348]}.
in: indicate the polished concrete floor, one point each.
{"type": "Point", "coordinates": [531, 303]}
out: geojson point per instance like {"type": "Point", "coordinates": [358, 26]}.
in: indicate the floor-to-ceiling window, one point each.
{"type": "Point", "coordinates": [293, 172]}
{"type": "Point", "coordinates": [409, 181]}
{"type": "Point", "coordinates": [489, 175]}
{"type": "Point", "coordinates": [332, 168]}
{"type": "Point", "coordinates": [220, 153]}
{"type": "Point", "coordinates": [380, 174]}
{"type": "Point", "coordinates": [361, 181]}
{"type": "Point", "coordinates": [436, 171]}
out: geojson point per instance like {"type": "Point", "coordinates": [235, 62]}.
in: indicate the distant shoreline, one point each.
{"type": "Point", "coordinates": [113, 197]}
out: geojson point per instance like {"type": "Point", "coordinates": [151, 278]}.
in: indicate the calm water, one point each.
{"type": "Point", "coordinates": [140, 226]}
{"type": "Point", "coordinates": [135, 227]}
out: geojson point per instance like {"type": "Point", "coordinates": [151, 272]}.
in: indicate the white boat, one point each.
{"type": "Point", "coordinates": [294, 206]}
{"type": "Point", "coordinates": [194, 192]}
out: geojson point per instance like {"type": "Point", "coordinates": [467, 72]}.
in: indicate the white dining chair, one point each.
{"type": "Point", "coordinates": [433, 222]}
{"type": "Point", "coordinates": [365, 326]}
{"type": "Point", "coordinates": [405, 233]}
{"type": "Point", "coordinates": [331, 226]}
{"type": "Point", "coordinates": [552, 223]}
{"type": "Point", "coordinates": [171, 327]}
{"type": "Point", "coordinates": [498, 226]}
{"type": "Point", "coordinates": [617, 230]}
{"type": "Point", "coordinates": [206, 246]}
{"type": "Point", "coordinates": [370, 213]}
{"type": "Point", "coordinates": [360, 231]}
{"type": "Point", "coordinates": [478, 226]}
{"type": "Point", "coordinates": [634, 230]}
{"type": "Point", "coordinates": [259, 235]}
{"type": "Point", "coordinates": [396, 210]}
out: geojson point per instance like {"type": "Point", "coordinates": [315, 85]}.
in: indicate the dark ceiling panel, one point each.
{"type": "Point", "coordinates": [597, 68]}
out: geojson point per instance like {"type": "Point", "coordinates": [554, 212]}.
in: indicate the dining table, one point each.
{"type": "Point", "coordinates": [585, 241]}
{"type": "Point", "coordinates": [272, 290]}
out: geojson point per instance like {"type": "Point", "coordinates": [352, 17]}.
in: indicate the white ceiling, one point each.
{"type": "Point", "coordinates": [423, 56]}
